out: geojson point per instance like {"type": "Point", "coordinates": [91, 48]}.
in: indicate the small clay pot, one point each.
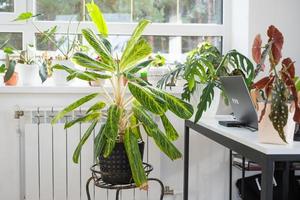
{"type": "Point", "coordinates": [13, 80]}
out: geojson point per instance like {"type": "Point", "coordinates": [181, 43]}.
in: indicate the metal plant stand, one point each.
{"type": "Point", "coordinates": [98, 182]}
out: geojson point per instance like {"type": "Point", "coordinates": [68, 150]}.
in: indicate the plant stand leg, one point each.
{"type": "Point", "coordinates": [117, 194]}
{"type": "Point", "coordinates": [162, 193]}
{"type": "Point", "coordinates": [88, 188]}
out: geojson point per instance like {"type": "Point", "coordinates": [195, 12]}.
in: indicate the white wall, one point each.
{"type": "Point", "coordinates": [258, 16]}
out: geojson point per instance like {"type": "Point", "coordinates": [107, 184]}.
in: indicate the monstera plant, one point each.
{"type": "Point", "coordinates": [278, 87]}
{"type": "Point", "coordinates": [129, 105]}
{"type": "Point", "coordinates": [203, 66]}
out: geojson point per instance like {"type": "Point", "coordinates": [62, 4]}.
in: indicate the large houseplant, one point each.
{"type": "Point", "coordinates": [203, 66]}
{"type": "Point", "coordinates": [278, 87]}
{"type": "Point", "coordinates": [127, 111]}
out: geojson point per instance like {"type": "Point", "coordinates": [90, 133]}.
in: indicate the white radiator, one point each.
{"type": "Point", "coordinates": [48, 170]}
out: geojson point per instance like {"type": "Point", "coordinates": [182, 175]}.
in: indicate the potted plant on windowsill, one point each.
{"type": "Point", "coordinates": [27, 67]}
{"type": "Point", "coordinates": [65, 47]}
{"type": "Point", "coordinates": [119, 144]}
{"type": "Point", "coordinates": [279, 90]}
{"type": "Point", "coordinates": [10, 76]}
{"type": "Point", "coordinates": [156, 69]}
{"type": "Point", "coordinates": [202, 69]}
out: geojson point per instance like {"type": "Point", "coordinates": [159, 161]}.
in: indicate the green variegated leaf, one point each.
{"type": "Point", "coordinates": [135, 159]}
{"type": "Point", "coordinates": [63, 67]}
{"type": "Point", "coordinates": [98, 46]}
{"type": "Point", "coordinates": [177, 106]}
{"type": "Point", "coordinates": [81, 75]}
{"type": "Point", "coordinates": [99, 142]}
{"type": "Point", "coordinates": [169, 128]}
{"type": "Point", "coordinates": [111, 128]}
{"type": "Point", "coordinates": [73, 106]}
{"type": "Point", "coordinates": [152, 102]}
{"type": "Point", "coordinates": [135, 128]}
{"type": "Point", "coordinates": [153, 131]}
{"type": "Point", "coordinates": [90, 63]}
{"type": "Point", "coordinates": [164, 144]}
{"type": "Point", "coordinates": [279, 109]}
{"type": "Point", "coordinates": [205, 100]}
{"type": "Point", "coordinates": [96, 107]}
{"type": "Point", "coordinates": [132, 41]}
{"type": "Point", "coordinates": [143, 117]}
{"type": "Point", "coordinates": [97, 75]}
{"type": "Point", "coordinates": [97, 17]}
{"type": "Point", "coordinates": [86, 118]}
{"type": "Point", "coordinates": [140, 51]}
{"type": "Point", "coordinates": [84, 138]}
{"type": "Point", "coordinates": [139, 66]}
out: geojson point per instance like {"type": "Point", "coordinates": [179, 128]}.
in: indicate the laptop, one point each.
{"type": "Point", "coordinates": [239, 98]}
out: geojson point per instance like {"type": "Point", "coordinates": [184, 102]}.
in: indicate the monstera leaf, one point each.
{"type": "Point", "coordinates": [279, 109]}
{"type": "Point", "coordinates": [205, 100]}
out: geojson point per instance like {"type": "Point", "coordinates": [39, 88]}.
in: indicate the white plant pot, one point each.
{"type": "Point", "coordinates": [28, 74]}
{"type": "Point", "coordinates": [60, 76]}
{"type": "Point", "coordinates": [266, 131]}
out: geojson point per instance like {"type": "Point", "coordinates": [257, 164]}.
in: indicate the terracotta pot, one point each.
{"type": "Point", "coordinates": [266, 131]}
{"type": "Point", "coordinates": [13, 80]}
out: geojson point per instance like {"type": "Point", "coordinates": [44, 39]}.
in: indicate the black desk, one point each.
{"type": "Point", "coordinates": [245, 143]}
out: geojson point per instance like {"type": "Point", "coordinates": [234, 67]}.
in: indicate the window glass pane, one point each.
{"type": "Point", "coordinates": [59, 10]}
{"type": "Point", "coordinates": [156, 11]}
{"type": "Point", "coordinates": [6, 5]}
{"type": "Point", "coordinates": [63, 43]}
{"type": "Point", "coordinates": [201, 11]}
{"type": "Point", "coordinates": [191, 42]}
{"type": "Point", "coordinates": [14, 40]}
{"type": "Point", "coordinates": [115, 10]}
{"type": "Point", "coordinates": [160, 44]}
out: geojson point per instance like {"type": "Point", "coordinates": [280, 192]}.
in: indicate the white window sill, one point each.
{"type": "Point", "coordinates": [64, 89]}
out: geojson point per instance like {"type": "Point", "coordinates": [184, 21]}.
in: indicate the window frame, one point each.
{"type": "Point", "coordinates": [155, 29]}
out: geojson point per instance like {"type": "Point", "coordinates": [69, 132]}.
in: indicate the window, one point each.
{"type": "Point", "coordinates": [6, 5]}
{"type": "Point", "coordinates": [178, 25]}
{"type": "Point", "coordinates": [13, 40]}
